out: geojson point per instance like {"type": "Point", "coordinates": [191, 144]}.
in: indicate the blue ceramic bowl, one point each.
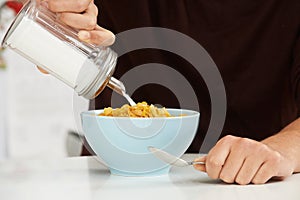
{"type": "Point", "coordinates": [122, 142]}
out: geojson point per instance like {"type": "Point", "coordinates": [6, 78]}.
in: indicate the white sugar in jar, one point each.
{"type": "Point", "coordinates": [38, 36]}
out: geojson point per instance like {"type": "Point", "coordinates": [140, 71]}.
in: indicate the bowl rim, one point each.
{"type": "Point", "coordinates": [94, 113]}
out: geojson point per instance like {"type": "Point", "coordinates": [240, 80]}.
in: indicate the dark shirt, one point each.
{"type": "Point", "coordinates": [255, 45]}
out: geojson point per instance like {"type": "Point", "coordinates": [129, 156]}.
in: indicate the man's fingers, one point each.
{"type": "Point", "coordinates": [75, 6]}
{"type": "Point", "coordinates": [232, 166]}
{"type": "Point", "coordinates": [217, 156]}
{"type": "Point", "coordinates": [87, 20]}
{"type": "Point", "coordinates": [200, 167]}
{"type": "Point", "coordinates": [250, 167]}
{"type": "Point", "coordinates": [265, 173]}
{"type": "Point", "coordinates": [42, 70]}
{"type": "Point", "coordinates": [99, 36]}
{"type": "Point", "coordinates": [274, 166]}
{"type": "Point", "coordinates": [82, 15]}
{"type": "Point", "coordinates": [201, 159]}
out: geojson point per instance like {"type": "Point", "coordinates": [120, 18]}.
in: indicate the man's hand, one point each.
{"type": "Point", "coordinates": [82, 15]}
{"type": "Point", "coordinates": [243, 161]}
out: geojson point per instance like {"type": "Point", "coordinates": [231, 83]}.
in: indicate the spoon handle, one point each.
{"type": "Point", "coordinates": [196, 163]}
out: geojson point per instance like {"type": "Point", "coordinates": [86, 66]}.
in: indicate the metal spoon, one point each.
{"type": "Point", "coordinates": [171, 159]}
{"type": "Point", "coordinates": [119, 87]}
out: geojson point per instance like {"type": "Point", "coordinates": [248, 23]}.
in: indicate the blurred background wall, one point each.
{"type": "Point", "coordinates": [36, 110]}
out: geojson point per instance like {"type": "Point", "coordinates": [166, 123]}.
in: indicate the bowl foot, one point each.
{"type": "Point", "coordinates": [160, 172]}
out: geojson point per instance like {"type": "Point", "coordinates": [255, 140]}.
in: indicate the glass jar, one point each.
{"type": "Point", "coordinates": [39, 36]}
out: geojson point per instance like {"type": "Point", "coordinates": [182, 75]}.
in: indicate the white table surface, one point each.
{"type": "Point", "coordinates": [85, 178]}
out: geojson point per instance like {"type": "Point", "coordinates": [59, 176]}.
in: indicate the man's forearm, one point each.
{"type": "Point", "coordinates": [287, 142]}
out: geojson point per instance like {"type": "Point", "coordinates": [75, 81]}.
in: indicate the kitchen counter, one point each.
{"type": "Point", "coordinates": [86, 178]}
